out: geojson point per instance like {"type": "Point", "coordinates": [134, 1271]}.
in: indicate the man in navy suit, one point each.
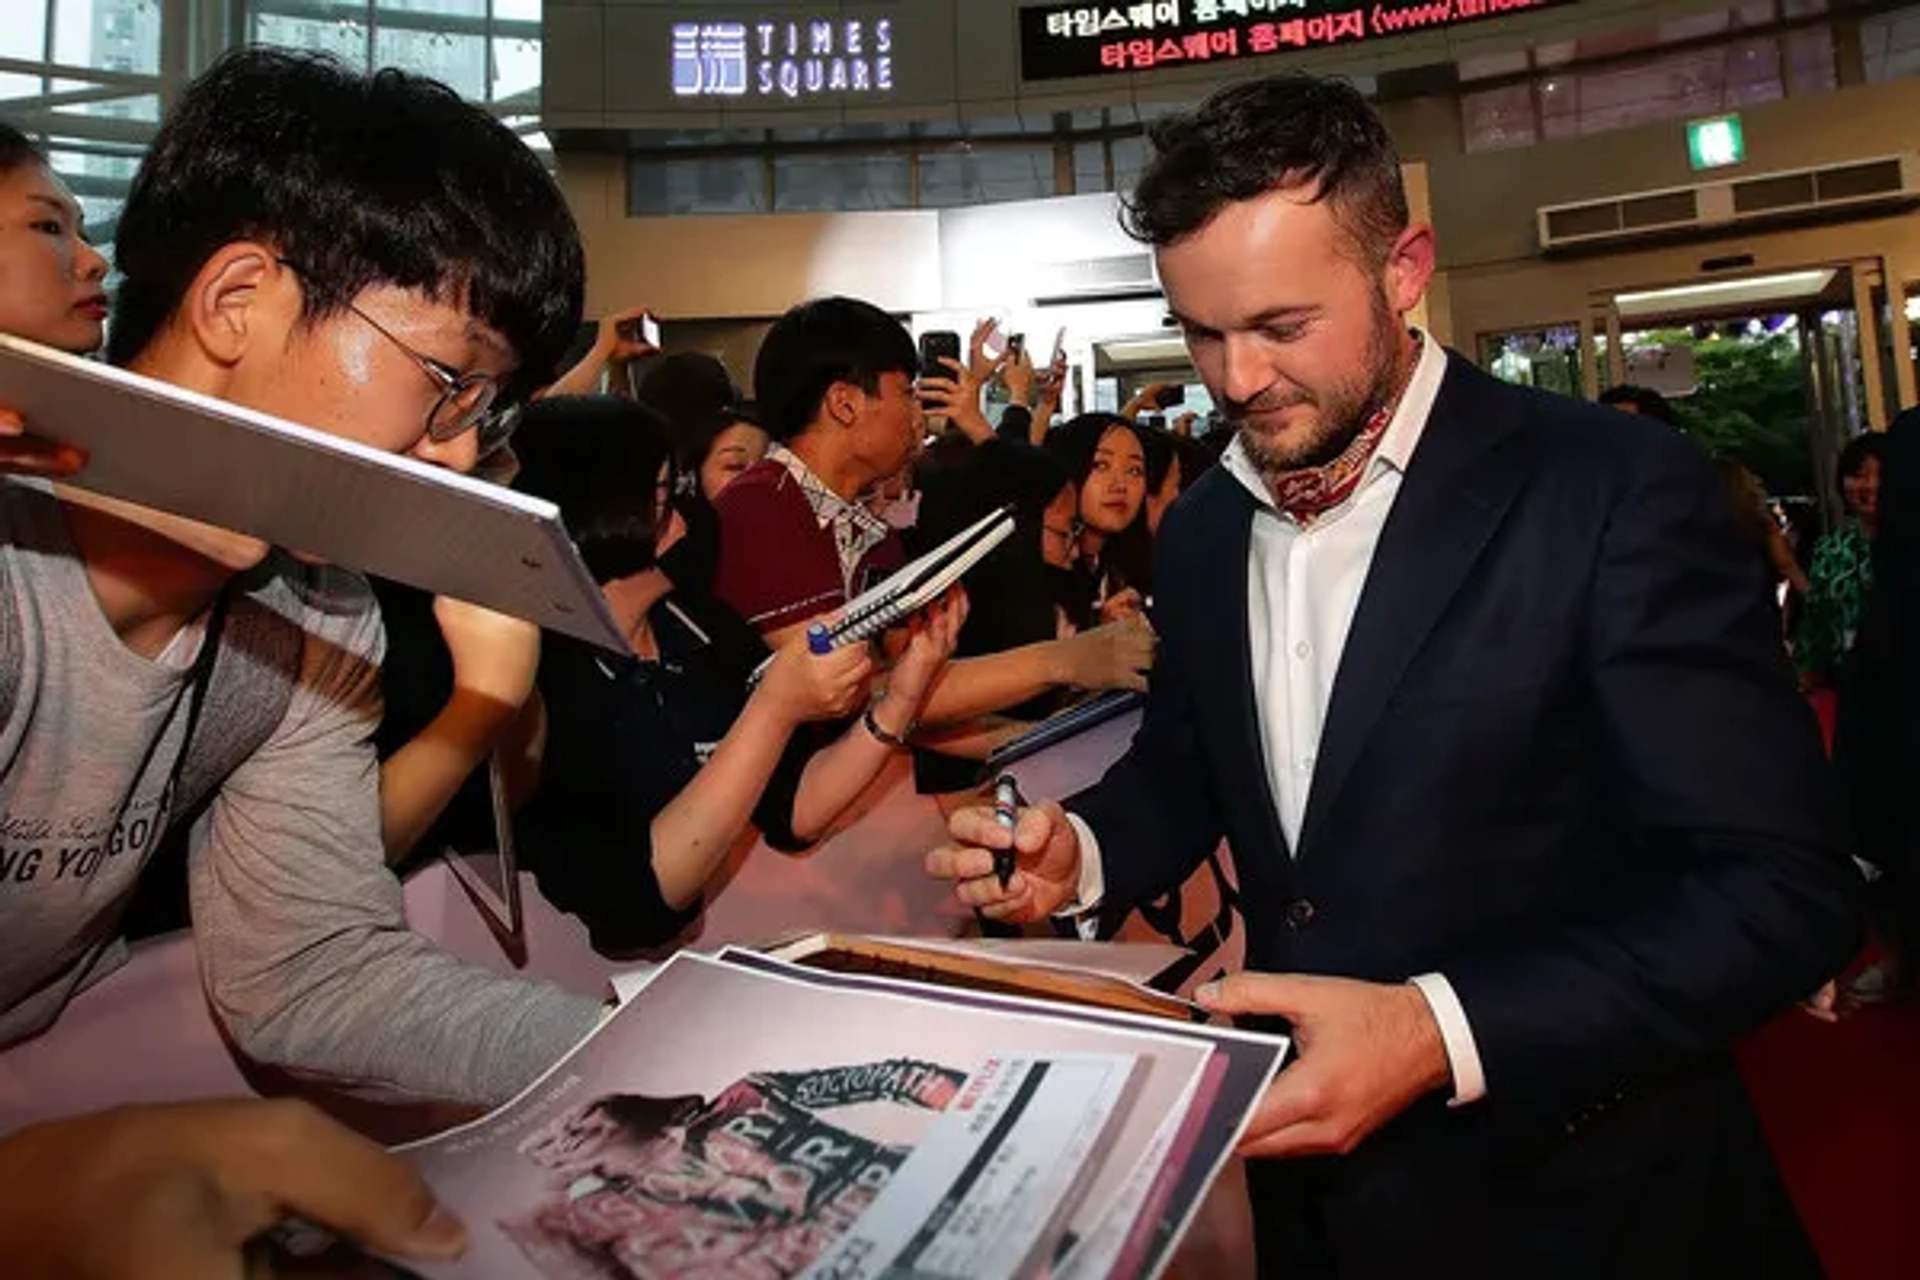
{"type": "Point", "coordinates": [1529, 820]}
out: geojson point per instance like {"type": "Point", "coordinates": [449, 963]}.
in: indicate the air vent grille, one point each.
{"type": "Point", "coordinates": [1826, 193]}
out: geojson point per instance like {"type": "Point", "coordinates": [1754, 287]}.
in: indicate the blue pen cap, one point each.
{"type": "Point", "coordinates": [819, 639]}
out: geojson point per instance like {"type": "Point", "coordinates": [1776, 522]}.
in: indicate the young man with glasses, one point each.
{"type": "Point", "coordinates": [371, 257]}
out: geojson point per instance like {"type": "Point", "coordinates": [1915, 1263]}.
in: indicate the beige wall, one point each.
{"type": "Point", "coordinates": [1484, 203]}
{"type": "Point", "coordinates": [744, 266]}
{"type": "Point", "coordinates": [1484, 208]}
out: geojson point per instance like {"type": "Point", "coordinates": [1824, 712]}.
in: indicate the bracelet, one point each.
{"type": "Point", "coordinates": [881, 735]}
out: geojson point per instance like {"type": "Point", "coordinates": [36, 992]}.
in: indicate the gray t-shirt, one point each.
{"type": "Point", "coordinates": [304, 948]}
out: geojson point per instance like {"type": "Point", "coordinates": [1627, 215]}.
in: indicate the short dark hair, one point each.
{"type": "Point", "coordinates": [817, 344]}
{"type": "Point", "coordinates": [1854, 457]}
{"type": "Point", "coordinates": [598, 459]}
{"type": "Point", "coordinates": [695, 395]}
{"type": "Point", "coordinates": [1284, 131]}
{"type": "Point", "coordinates": [686, 387]}
{"type": "Point", "coordinates": [17, 150]}
{"type": "Point", "coordinates": [358, 180]}
{"type": "Point", "coordinates": [1645, 401]}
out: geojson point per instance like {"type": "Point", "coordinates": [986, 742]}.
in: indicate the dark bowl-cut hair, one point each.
{"type": "Point", "coordinates": [357, 180]}
{"type": "Point", "coordinates": [598, 459]}
{"type": "Point", "coordinates": [696, 396]}
{"type": "Point", "coordinates": [687, 387]}
{"type": "Point", "coordinates": [1285, 131]}
{"type": "Point", "coordinates": [817, 344]}
{"type": "Point", "coordinates": [17, 150]}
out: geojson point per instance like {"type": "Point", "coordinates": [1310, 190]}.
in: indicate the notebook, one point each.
{"type": "Point", "coordinates": [193, 456]}
{"type": "Point", "coordinates": [1057, 728]}
{"type": "Point", "coordinates": [920, 583]}
{"type": "Point", "coordinates": [916, 585]}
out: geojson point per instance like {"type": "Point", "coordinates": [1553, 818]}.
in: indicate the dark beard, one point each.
{"type": "Point", "coordinates": [1350, 413]}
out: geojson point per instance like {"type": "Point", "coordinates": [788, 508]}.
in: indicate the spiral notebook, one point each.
{"type": "Point", "coordinates": [916, 585]}
{"type": "Point", "coordinates": [919, 584]}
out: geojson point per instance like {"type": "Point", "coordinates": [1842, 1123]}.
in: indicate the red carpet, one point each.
{"type": "Point", "coordinates": [1841, 1105]}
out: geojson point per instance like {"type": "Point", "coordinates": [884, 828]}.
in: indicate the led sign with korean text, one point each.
{"type": "Point", "coordinates": [1058, 41]}
{"type": "Point", "coordinates": [782, 59]}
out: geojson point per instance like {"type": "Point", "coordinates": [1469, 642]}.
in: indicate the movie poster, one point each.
{"type": "Point", "coordinates": [729, 1124]}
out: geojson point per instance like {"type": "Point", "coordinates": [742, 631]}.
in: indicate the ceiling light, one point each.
{"type": "Point", "coordinates": [1718, 293]}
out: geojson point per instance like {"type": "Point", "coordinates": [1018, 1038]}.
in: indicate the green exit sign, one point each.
{"type": "Point", "coordinates": [1716, 143]}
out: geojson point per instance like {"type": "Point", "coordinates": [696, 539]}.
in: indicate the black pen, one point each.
{"type": "Point", "coordinates": [1006, 807]}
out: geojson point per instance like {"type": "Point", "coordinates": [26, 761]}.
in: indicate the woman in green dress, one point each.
{"type": "Point", "coordinates": [1842, 568]}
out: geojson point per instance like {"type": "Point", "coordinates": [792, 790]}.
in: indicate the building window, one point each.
{"type": "Point", "coordinates": [1500, 118]}
{"type": "Point", "coordinates": [1090, 167]}
{"type": "Point", "coordinates": [660, 187]}
{"type": "Point", "coordinates": [1568, 96]}
{"type": "Point", "coordinates": [1129, 158]}
{"type": "Point", "coordinates": [485, 50]}
{"type": "Point", "coordinates": [1890, 44]}
{"type": "Point", "coordinates": [984, 175]}
{"type": "Point", "coordinates": [820, 182]}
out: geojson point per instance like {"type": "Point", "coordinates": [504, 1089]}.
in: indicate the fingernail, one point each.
{"type": "Point", "coordinates": [440, 1236]}
{"type": "Point", "coordinates": [1208, 993]}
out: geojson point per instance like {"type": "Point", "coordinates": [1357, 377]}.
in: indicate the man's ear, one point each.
{"type": "Point", "coordinates": [241, 296]}
{"type": "Point", "coordinates": [841, 404]}
{"type": "Point", "coordinates": [1409, 268]}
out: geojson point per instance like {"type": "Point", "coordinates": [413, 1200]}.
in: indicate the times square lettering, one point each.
{"type": "Point", "coordinates": [785, 59]}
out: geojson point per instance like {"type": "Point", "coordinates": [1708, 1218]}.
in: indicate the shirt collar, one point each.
{"type": "Point", "coordinates": [827, 505]}
{"type": "Point", "coordinates": [1403, 431]}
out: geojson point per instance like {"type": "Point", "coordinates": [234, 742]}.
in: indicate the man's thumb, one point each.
{"type": "Point", "coordinates": [1270, 993]}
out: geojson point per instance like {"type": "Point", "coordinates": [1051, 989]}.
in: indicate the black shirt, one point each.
{"type": "Point", "coordinates": [624, 737]}
{"type": "Point", "coordinates": [1011, 593]}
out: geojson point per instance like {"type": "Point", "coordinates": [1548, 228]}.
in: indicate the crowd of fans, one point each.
{"type": "Point", "coordinates": [374, 258]}
{"type": "Point", "coordinates": [273, 738]}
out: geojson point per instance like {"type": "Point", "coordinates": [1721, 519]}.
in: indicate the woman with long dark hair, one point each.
{"type": "Point", "coordinates": [1107, 457]}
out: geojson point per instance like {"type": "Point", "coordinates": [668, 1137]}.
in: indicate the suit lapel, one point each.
{"type": "Point", "coordinates": [1456, 490]}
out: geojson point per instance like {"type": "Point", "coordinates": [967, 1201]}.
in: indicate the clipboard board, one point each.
{"type": "Point", "coordinates": [200, 458]}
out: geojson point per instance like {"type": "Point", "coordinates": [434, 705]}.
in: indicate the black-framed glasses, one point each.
{"type": "Point", "coordinates": [466, 400]}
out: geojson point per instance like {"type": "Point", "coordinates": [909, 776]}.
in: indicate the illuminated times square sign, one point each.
{"type": "Point", "coordinates": [1058, 41]}
{"type": "Point", "coordinates": [782, 59]}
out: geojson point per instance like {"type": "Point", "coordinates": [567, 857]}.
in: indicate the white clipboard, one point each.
{"type": "Point", "coordinates": [193, 456]}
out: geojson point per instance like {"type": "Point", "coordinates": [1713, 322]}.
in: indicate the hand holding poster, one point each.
{"type": "Point", "coordinates": [729, 1122]}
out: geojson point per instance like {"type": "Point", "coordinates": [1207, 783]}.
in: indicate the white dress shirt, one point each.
{"type": "Point", "coordinates": [1303, 586]}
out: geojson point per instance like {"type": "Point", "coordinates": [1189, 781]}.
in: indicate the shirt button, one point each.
{"type": "Point", "coordinates": [1300, 913]}
{"type": "Point", "coordinates": [1303, 651]}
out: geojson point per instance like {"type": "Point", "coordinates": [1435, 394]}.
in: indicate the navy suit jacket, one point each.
{"type": "Point", "coordinates": [1565, 765]}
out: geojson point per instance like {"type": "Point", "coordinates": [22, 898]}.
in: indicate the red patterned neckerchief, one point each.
{"type": "Point", "coordinates": [1311, 492]}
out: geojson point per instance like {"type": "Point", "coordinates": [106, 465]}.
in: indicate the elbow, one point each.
{"type": "Point", "coordinates": [797, 836]}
